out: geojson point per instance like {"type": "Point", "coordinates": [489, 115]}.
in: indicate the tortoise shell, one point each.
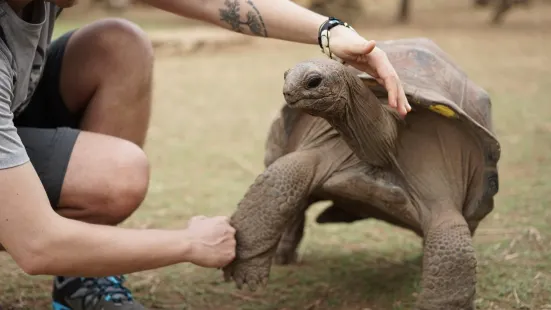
{"type": "Point", "coordinates": [433, 81]}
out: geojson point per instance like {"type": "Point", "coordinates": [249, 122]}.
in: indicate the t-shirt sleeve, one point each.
{"type": "Point", "coordinates": [12, 151]}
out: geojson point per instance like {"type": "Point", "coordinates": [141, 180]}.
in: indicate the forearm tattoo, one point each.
{"type": "Point", "coordinates": [231, 14]}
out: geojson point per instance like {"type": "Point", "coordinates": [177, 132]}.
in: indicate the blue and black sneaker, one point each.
{"type": "Point", "coordinates": [107, 293]}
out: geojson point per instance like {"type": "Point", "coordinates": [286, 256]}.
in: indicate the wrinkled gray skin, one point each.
{"type": "Point", "coordinates": [336, 140]}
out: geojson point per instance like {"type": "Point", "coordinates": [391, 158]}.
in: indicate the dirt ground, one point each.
{"type": "Point", "coordinates": [210, 118]}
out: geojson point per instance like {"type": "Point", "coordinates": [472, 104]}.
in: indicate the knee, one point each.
{"type": "Point", "coordinates": [123, 41]}
{"type": "Point", "coordinates": [127, 187]}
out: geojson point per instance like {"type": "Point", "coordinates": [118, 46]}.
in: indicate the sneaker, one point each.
{"type": "Point", "coordinates": [107, 293]}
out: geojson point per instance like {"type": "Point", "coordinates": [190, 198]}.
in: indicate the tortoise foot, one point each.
{"type": "Point", "coordinates": [253, 272]}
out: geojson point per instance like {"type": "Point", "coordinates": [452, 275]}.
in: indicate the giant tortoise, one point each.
{"type": "Point", "coordinates": [433, 172]}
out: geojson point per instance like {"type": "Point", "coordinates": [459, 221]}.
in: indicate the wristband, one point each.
{"type": "Point", "coordinates": [324, 35]}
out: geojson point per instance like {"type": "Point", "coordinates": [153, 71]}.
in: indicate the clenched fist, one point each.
{"type": "Point", "coordinates": [212, 241]}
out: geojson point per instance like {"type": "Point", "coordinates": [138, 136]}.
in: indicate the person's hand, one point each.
{"type": "Point", "coordinates": [212, 241]}
{"type": "Point", "coordinates": [364, 55]}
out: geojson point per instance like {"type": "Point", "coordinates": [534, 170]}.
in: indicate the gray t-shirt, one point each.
{"type": "Point", "coordinates": [22, 56]}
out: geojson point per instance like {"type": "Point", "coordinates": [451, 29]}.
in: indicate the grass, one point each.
{"type": "Point", "coordinates": [210, 118]}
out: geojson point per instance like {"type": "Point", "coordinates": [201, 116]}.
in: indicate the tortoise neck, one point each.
{"type": "Point", "coordinates": [369, 127]}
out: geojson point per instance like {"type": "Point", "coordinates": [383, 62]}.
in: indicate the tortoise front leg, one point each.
{"type": "Point", "coordinates": [449, 265]}
{"type": "Point", "coordinates": [277, 195]}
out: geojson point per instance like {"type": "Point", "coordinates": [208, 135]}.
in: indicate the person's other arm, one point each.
{"type": "Point", "coordinates": [43, 242]}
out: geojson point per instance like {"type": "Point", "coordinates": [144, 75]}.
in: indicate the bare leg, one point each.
{"type": "Point", "coordinates": [106, 180]}
{"type": "Point", "coordinates": [449, 265]}
{"type": "Point", "coordinates": [106, 77]}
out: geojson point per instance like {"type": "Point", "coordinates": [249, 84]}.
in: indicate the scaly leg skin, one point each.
{"type": "Point", "coordinates": [276, 196]}
{"type": "Point", "coordinates": [449, 266]}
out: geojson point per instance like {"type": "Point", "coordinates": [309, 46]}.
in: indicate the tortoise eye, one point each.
{"type": "Point", "coordinates": [314, 82]}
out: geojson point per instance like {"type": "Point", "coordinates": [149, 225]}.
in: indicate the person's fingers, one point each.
{"type": "Point", "coordinates": [364, 67]}
{"type": "Point", "coordinates": [347, 43]}
{"type": "Point", "coordinates": [402, 99]}
{"type": "Point", "coordinates": [392, 88]}
{"type": "Point", "coordinates": [402, 104]}
{"type": "Point", "coordinates": [405, 99]}
{"type": "Point", "coordinates": [396, 96]}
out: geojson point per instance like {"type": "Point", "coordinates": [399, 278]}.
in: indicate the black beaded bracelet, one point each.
{"type": "Point", "coordinates": [323, 34]}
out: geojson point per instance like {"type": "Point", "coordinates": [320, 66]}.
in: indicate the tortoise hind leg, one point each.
{"type": "Point", "coordinates": [288, 244]}
{"type": "Point", "coordinates": [337, 213]}
{"type": "Point", "coordinates": [286, 252]}
{"type": "Point", "coordinates": [370, 196]}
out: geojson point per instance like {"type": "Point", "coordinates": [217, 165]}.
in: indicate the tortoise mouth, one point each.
{"type": "Point", "coordinates": [304, 102]}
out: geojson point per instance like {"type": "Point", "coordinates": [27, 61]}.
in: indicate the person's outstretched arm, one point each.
{"type": "Point", "coordinates": [278, 19]}
{"type": "Point", "coordinates": [286, 20]}
{"type": "Point", "coordinates": [44, 243]}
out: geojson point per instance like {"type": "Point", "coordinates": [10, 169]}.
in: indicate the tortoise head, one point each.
{"type": "Point", "coordinates": [328, 89]}
{"type": "Point", "coordinates": [320, 87]}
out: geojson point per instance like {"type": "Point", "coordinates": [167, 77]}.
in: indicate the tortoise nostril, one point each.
{"type": "Point", "coordinates": [285, 74]}
{"type": "Point", "coordinates": [286, 95]}
{"type": "Point", "coordinates": [314, 82]}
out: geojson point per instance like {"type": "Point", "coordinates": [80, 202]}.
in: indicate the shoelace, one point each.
{"type": "Point", "coordinates": [109, 289]}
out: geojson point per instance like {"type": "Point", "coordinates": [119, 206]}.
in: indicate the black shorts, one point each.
{"type": "Point", "coordinates": [47, 128]}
